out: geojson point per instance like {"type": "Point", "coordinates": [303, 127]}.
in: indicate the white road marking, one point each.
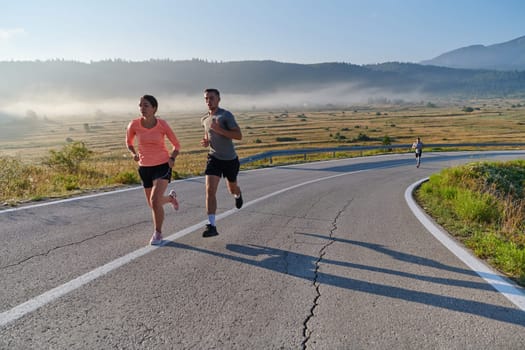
{"type": "Point", "coordinates": [494, 278]}
{"type": "Point", "coordinates": [36, 205]}
{"type": "Point", "coordinates": [31, 305]}
{"type": "Point", "coordinates": [72, 199]}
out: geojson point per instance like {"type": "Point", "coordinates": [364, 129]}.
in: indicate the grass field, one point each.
{"type": "Point", "coordinates": [491, 120]}
{"type": "Point", "coordinates": [28, 141]}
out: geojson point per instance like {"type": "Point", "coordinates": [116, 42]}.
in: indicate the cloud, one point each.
{"type": "Point", "coordinates": [7, 34]}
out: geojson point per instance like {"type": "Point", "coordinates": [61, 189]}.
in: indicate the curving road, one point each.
{"type": "Point", "coordinates": [325, 255]}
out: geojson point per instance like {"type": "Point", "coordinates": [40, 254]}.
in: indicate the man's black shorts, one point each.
{"type": "Point", "coordinates": [150, 173]}
{"type": "Point", "coordinates": [223, 168]}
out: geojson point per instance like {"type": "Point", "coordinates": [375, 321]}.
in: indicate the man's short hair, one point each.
{"type": "Point", "coordinates": [215, 91]}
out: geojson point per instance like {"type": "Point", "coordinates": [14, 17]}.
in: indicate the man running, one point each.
{"type": "Point", "coordinates": [220, 129]}
{"type": "Point", "coordinates": [418, 147]}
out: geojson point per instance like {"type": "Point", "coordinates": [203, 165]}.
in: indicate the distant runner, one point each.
{"type": "Point", "coordinates": [220, 129]}
{"type": "Point", "coordinates": [418, 147]}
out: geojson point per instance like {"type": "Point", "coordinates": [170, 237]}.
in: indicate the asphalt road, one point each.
{"type": "Point", "coordinates": [324, 255]}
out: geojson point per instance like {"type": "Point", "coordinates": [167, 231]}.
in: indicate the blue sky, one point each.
{"type": "Point", "coordinates": [305, 31]}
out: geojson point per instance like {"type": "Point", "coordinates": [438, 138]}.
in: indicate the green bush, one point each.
{"type": "Point", "coordinates": [339, 137]}
{"type": "Point", "coordinates": [127, 178]}
{"type": "Point", "coordinates": [15, 178]}
{"type": "Point", "coordinates": [66, 182]}
{"type": "Point", "coordinates": [285, 139]}
{"type": "Point", "coordinates": [448, 192]}
{"type": "Point", "coordinates": [506, 256]}
{"type": "Point", "coordinates": [69, 158]}
{"type": "Point", "coordinates": [362, 137]}
{"type": "Point", "coordinates": [476, 207]}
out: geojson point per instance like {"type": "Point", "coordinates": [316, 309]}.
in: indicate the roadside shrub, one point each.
{"type": "Point", "coordinates": [15, 178]}
{"type": "Point", "coordinates": [362, 137]}
{"type": "Point", "coordinates": [506, 256]}
{"type": "Point", "coordinates": [66, 182]}
{"type": "Point", "coordinates": [285, 139]}
{"type": "Point", "coordinates": [69, 158]}
{"type": "Point", "coordinates": [476, 207]}
{"type": "Point", "coordinates": [339, 137]}
{"type": "Point", "coordinates": [127, 178]}
{"type": "Point", "coordinates": [448, 192]}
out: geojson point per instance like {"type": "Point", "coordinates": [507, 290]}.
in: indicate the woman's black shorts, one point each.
{"type": "Point", "coordinates": [150, 173]}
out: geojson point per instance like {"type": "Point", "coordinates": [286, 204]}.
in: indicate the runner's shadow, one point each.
{"type": "Point", "coordinates": [410, 258]}
{"type": "Point", "coordinates": [304, 266]}
{"type": "Point", "coordinates": [413, 259]}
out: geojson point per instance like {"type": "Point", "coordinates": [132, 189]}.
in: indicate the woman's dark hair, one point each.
{"type": "Point", "coordinates": [152, 100]}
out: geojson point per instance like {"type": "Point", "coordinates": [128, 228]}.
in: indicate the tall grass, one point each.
{"type": "Point", "coordinates": [483, 204]}
{"type": "Point", "coordinates": [20, 182]}
{"type": "Point", "coordinates": [74, 169]}
{"type": "Point", "coordinates": [17, 180]}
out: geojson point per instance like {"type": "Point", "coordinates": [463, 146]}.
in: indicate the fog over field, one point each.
{"type": "Point", "coordinates": [25, 114]}
{"type": "Point", "coordinates": [59, 89]}
{"type": "Point", "coordinates": [51, 106]}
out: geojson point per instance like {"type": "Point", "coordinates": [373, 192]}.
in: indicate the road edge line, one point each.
{"type": "Point", "coordinates": [498, 281]}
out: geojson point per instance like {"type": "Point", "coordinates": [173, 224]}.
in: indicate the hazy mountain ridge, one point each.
{"type": "Point", "coordinates": [106, 79]}
{"type": "Point", "coordinates": [66, 88]}
{"type": "Point", "coordinates": [507, 56]}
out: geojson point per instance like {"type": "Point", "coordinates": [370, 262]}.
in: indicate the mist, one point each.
{"type": "Point", "coordinates": [63, 106]}
{"type": "Point", "coordinates": [338, 96]}
{"type": "Point", "coordinates": [54, 90]}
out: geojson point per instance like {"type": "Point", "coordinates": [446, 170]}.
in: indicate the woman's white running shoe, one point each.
{"type": "Point", "coordinates": [156, 238]}
{"type": "Point", "coordinates": [173, 199]}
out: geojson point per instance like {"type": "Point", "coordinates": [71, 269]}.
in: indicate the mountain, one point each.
{"type": "Point", "coordinates": [59, 82]}
{"type": "Point", "coordinates": [507, 56]}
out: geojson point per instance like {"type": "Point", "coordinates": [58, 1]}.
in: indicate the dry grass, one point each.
{"type": "Point", "coordinates": [494, 121]}
{"type": "Point", "coordinates": [30, 141]}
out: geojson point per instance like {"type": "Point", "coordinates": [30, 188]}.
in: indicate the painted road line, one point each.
{"type": "Point", "coordinates": [494, 278]}
{"type": "Point", "coordinates": [33, 304]}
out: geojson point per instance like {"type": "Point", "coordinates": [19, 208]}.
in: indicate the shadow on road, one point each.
{"type": "Point", "coordinates": [305, 266]}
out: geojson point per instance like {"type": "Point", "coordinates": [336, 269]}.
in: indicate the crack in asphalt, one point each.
{"type": "Point", "coordinates": [306, 331]}
{"type": "Point", "coordinates": [20, 262]}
